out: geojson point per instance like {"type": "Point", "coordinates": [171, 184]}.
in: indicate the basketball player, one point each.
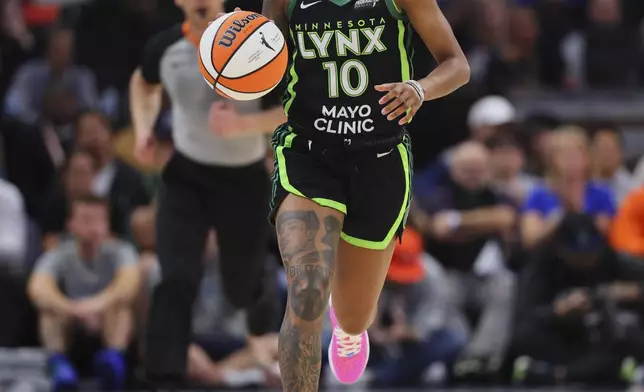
{"type": "Point", "coordinates": [343, 166]}
{"type": "Point", "coordinates": [208, 182]}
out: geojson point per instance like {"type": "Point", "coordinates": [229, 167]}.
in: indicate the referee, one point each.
{"type": "Point", "coordinates": [210, 181]}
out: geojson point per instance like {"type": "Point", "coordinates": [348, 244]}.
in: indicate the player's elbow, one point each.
{"type": "Point", "coordinates": [462, 69]}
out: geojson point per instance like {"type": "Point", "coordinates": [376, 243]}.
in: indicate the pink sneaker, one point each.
{"type": "Point", "coordinates": [348, 355]}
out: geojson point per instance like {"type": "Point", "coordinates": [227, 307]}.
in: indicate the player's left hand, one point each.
{"type": "Point", "coordinates": [400, 98]}
{"type": "Point", "coordinates": [224, 120]}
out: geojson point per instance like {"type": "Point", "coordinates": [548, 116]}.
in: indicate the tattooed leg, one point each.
{"type": "Point", "coordinates": [308, 236]}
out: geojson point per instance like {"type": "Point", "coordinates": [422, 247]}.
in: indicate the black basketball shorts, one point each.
{"type": "Point", "coordinates": [370, 186]}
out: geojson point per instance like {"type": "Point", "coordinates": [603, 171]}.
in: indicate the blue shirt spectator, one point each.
{"type": "Point", "coordinates": [598, 199]}
{"type": "Point", "coordinates": [566, 190]}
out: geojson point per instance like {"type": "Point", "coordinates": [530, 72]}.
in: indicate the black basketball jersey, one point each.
{"type": "Point", "coordinates": [340, 50]}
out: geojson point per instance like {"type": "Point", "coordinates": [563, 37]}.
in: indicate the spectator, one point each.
{"type": "Point", "coordinates": [567, 189]}
{"type": "Point", "coordinates": [539, 130]}
{"type": "Point", "coordinates": [87, 285]}
{"type": "Point", "coordinates": [13, 228]}
{"type": "Point", "coordinates": [463, 222]}
{"type": "Point", "coordinates": [123, 184]}
{"type": "Point", "coordinates": [485, 119]}
{"type": "Point", "coordinates": [608, 162]}
{"type": "Point", "coordinates": [579, 310]}
{"type": "Point", "coordinates": [26, 98]}
{"type": "Point", "coordinates": [512, 63]}
{"type": "Point", "coordinates": [611, 46]}
{"type": "Point", "coordinates": [507, 161]}
{"type": "Point", "coordinates": [422, 327]}
{"type": "Point", "coordinates": [77, 179]}
{"type": "Point", "coordinates": [627, 230]}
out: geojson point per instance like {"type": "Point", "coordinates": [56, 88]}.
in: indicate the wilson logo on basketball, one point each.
{"type": "Point", "coordinates": [236, 27]}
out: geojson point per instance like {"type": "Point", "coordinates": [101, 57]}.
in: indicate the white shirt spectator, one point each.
{"type": "Point", "coordinates": [13, 226]}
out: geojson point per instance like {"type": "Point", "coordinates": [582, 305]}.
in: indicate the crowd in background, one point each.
{"type": "Point", "coordinates": [523, 260]}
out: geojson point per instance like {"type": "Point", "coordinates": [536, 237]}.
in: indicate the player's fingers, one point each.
{"type": "Point", "coordinates": [398, 112]}
{"type": "Point", "coordinates": [395, 91]}
{"type": "Point", "coordinates": [237, 9]}
{"type": "Point", "coordinates": [405, 99]}
{"type": "Point", "coordinates": [409, 115]}
{"type": "Point", "coordinates": [385, 87]}
{"type": "Point", "coordinates": [393, 104]}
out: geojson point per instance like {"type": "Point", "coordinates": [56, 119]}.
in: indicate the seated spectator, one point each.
{"type": "Point", "coordinates": [78, 176]}
{"type": "Point", "coordinates": [507, 161]}
{"type": "Point", "coordinates": [421, 325]}
{"type": "Point", "coordinates": [566, 189]}
{"type": "Point", "coordinates": [579, 310]}
{"type": "Point", "coordinates": [87, 285]}
{"type": "Point", "coordinates": [115, 180]}
{"type": "Point", "coordinates": [538, 130]}
{"type": "Point", "coordinates": [608, 161]}
{"type": "Point", "coordinates": [627, 230]}
{"type": "Point", "coordinates": [611, 46]}
{"type": "Point", "coordinates": [13, 228]}
{"type": "Point", "coordinates": [486, 118]}
{"type": "Point", "coordinates": [25, 99]}
{"type": "Point", "coordinates": [220, 356]}
{"type": "Point", "coordinates": [464, 222]}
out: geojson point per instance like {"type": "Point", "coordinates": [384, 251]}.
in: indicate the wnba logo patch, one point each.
{"type": "Point", "coordinates": [365, 4]}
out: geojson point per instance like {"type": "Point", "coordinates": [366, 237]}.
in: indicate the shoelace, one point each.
{"type": "Point", "coordinates": [347, 345]}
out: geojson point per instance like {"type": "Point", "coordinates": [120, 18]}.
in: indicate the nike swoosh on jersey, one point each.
{"type": "Point", "coordinates": [382, 154]}
{"type": "Point", "coordinates": [305, 6]}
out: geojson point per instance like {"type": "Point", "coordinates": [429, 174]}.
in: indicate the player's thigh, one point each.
{"type": "Point", "coordinates": [308, 236]}
{"type": "Point", "coordinates": [371, 228]}
{"type": "Point", "coordinates": [181, 224]}
{"type": "Point", "coordinates": [242, 232]}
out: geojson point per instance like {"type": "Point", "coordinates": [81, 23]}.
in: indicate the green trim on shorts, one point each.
{"type": "Point", "coordinates": [404, 149]}
{"type": "Point", "coordinates": [284, 139]}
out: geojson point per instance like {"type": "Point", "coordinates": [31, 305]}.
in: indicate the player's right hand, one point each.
{"type": "Point", "coordinates": [145, 149]}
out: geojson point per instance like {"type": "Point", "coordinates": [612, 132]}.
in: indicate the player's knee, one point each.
{"type": "Point", "coordinates": [308, 300]}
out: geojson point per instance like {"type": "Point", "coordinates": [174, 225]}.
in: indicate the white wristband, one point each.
{"type": "Point", "coordinates": [418, 88]}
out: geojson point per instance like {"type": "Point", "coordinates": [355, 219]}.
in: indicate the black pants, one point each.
{"type": "Point", "coordinates": [193, 199]}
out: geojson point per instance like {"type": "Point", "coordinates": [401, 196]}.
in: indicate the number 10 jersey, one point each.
{"type": "Point", "coordinates": [340, 50]}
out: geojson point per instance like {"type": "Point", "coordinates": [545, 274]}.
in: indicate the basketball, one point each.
{"type": "Point", "coordinates": [243, 55]}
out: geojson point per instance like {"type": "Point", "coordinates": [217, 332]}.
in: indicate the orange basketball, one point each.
{"type": "Point", "coordinates": [243, 55]}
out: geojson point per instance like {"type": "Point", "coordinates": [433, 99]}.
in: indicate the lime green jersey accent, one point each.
{"type": "Point", "coordinates": [292, 80]}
